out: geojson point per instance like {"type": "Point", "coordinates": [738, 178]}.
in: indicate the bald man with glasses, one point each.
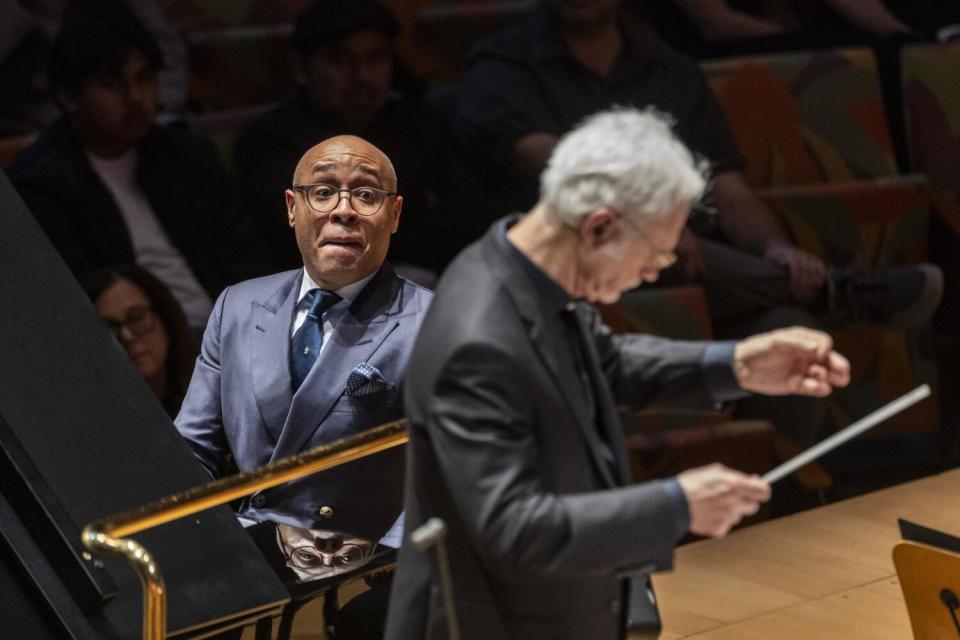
{"type": "Point", "coordinates": [305, 357]}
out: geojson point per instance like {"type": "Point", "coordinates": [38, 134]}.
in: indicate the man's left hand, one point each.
{"type": "Point", "coordinates": [794, 361]}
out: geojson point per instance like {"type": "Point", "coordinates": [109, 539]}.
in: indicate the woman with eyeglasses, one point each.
{"type": "Point", "coordinates": [150, 325]}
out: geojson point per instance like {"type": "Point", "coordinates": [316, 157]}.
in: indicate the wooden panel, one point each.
{"type": "Point", "coordinates": [806, 567]}
{"type": "Point", "coordinates": [924, 572]}
{"type": "Point", "coordinates": [871, 612]}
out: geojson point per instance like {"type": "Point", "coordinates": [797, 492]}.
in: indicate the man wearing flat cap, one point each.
{"type": "Point", "coordinates": [345, 72]}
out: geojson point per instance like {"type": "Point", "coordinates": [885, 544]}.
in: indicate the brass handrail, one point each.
{"type": "Point", "coordinates": [106, 535]}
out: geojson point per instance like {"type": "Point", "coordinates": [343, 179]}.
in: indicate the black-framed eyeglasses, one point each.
{"type": "Point", "coordinates": [324, 198]}
{"type": "Point", "coordinates": [309, 557]}
{"type": "Point", "coordinates": [139, 320]}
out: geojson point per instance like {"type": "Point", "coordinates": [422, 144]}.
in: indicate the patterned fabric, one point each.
{"type": "Point", "coordinates": [364, 380]}
{"type": "Point", "coordinates": [662, 442]}
{"type": "Point", "coordinates": [865, 223]}
{"type": "Point", "coordinates": [931, 95]}
{"type": "Point", "coordinates": [804, 118]}
{"type": "Point", "coordinates": [822, 120]}
{"type": "Point", "coordinates": [870, 224]}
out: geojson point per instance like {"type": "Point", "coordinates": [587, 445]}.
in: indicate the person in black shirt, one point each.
{"type": "Point", "coordinates": [346, 69]}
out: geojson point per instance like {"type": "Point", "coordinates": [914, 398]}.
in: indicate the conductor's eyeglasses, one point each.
{"type": "Point", "coordinates": [662, 258]}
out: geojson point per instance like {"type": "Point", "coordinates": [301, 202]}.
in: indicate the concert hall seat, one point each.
{"type": "Point", "coordinates": [805, 117]}
{"type": "Point", "coordinates": [931, 96]}
{"type": "Point", "coordinates": [870, 224]}
{"type": "Point", "coordinates": [931, 107]}
{"type": "Point", "coordinates": [662, 442]}
{"type": "Point", "coordinates": [814, 130]}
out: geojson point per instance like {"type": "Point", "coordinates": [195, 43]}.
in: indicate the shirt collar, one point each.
{"type": "Point", "coordinates": [552, 294]}
{"type": "Point", "coordinates": [348, 292]}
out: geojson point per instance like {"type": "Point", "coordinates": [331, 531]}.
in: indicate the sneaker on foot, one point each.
{"type": "Point", "coordinates": [900, 296]}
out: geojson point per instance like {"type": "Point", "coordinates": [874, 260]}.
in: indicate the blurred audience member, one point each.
{"type": "Point", "coordinates": [345, 72]}
{"type": "Point", "coordinates": [528, 85]}
{"type": "Point", "coordinates": [708, 28]}
{"type": "Point", "coordinates": [150, 325]}
{"type": "Point", "coordinates": [109, 186]}
{"type": "Point", "coordinates": [939, 19]}
{"type": "Point", "coordinates": [26, 32]}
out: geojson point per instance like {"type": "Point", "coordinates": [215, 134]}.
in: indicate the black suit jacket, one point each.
{"type": "Point", "coordinates": [543, 526]}
{"type": "Point", "coordinates": [181, 178]}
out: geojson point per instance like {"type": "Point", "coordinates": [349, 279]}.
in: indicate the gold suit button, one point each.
{"type": "Point", "coordinates": [326, 512]}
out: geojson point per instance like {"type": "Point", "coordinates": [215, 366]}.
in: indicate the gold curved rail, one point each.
{"type": "Point", "coordinates": [134, 554]}
{"type": "Point", "coordinates": [106, 536]}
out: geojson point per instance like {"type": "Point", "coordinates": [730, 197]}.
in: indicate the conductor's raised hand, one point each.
{"type": "Point", "coordinates": [794, 361]}
{"type": "Point", "coordinates": [719, 497]}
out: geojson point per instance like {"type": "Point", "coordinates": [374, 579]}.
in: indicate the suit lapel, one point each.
{"type": "Point", "coordinates": [554, 351]}
{"type": "Point", "coordinates": [357, 336]}
{"type": "Point", "coordinates": [547, 334]}
{"type": "Point", "coordinates": [606, 405]}
{"type": "Point", "coordinates": [270, 355]}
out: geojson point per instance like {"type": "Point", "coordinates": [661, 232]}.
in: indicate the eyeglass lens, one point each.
{"type": "Point", "coordinates": [139, 320]}
{"type": "Point", "coordinates": [310, 557]}
{"type": "Point", "coordinates": [324, 198]}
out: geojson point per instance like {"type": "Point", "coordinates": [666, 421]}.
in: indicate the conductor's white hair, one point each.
{"type": "Point", "coordinates": [625, 159]}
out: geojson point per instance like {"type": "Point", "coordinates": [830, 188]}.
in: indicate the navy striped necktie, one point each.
{"type": "Point", "coordinates": [306, 343]}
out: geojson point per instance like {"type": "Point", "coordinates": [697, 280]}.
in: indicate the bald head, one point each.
{"type": "Point", "coordinates": [340, 245]}
{"type": "Point", "coordinates": [368, 159]}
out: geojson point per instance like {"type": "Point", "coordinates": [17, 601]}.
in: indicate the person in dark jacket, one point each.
{"type": "Point", "coordinates": [346, 71]}
{"type": "Point", "coordinates": [109, 186]}
{"type": "Point", "coordinates": [512, 394]}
